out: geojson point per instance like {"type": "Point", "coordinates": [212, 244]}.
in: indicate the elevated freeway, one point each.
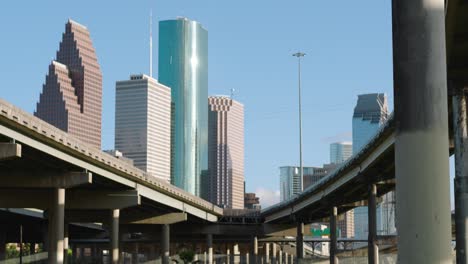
{"type": "Point", "coordinates": [43, 167]}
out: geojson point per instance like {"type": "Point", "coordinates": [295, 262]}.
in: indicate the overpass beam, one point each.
{"type": "Point", "coordinates": [10, 151]}
{"type": "Point", "coordinates": [56, 226]}
{"type": "Point", "coordinates": [300, 241]}
{"type": "Point", "coordinates": [114, 235]}
{"type": "Point", "coordinates": [209, 243]}
{"type": "Point", "coordinates": [165, 243]}
{"type": "Point", "coordinates": [372, 248]}
{"type": "Point", "coordinates": [461, 172]}
{"type": "Point", "coordinates": [421, 137]}
{"type": "Point", "coordinates": [333, 238]}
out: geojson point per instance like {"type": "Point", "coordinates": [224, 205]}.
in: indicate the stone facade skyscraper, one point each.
{"type": "Point", "coordinates": [183, 66]}
{"type": "Point", "coordinates": [71, 97]}
{"type": "Point", "coordinates": [226, 152]}
{"type": "Point", "coordinates": [143, 124]}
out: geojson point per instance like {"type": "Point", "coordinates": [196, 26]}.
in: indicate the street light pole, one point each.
{"type": "Point", "coordinates": [301, 168]}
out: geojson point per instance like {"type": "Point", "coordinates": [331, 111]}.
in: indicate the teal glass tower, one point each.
{"type": "Point", "coordinates": [183, 66]}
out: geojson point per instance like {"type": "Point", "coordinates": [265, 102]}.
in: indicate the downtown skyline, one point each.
{"type": "Point", "coordinates": [255, 83]}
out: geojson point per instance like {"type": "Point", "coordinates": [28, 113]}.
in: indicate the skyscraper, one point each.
{"type": "Point", "coordinates": [71, 97]}
{"type": "Point", "coordinates": [183, 66]}
{"type": "Point", "coordinates": [340, 152]}
{"type": "Point", "coordinates": [143, 124]}
{"type": "Point", "coordinates": [290, 184]}
{"type": "Point", "coordinates": [370, 113]}
{"type": "Point", "coordinates": [226, 152]}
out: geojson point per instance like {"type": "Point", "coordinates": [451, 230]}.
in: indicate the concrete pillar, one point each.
{"type": "Point", "coordinates": [247, 258]}
{"type": "Point", "coordinates": [280, 257]}
{"type": "Point", "coordinates": [421, 136]}
{"type": "Point", "coordinates": [273, 253]}
{"type": "Point", "coordinates": [228, 256]}
{"type": "Point", "coordinates": [372, 248]}
{"type": "Point", "coordinates": [32, 248]}
{"type": "Point", "coordinates": [236, 254]}
{"type": "Point", "coordinates": [2, 244]}
{"type": "Point", "coordinates": [209, 244]}
{"type": "Point", "coordinates": [114, 235]}
{"type": "Point", "coordinates": [267, 253]}
{"type": "Point", "coordinates": [56, 226]}
{"type": "Point", "coordinates": [65, 243]}
{"type": "Point", "coordinates": [291, 259]}
{"type": "Point", "coordinates": [460, 121]}
{"type": "Point", "coordinates": [165, 243]}
{"type": "Point", "coordinates": [135, 252]}
{"type": "Point", "coordinates": [286, 258]}
{"type": "Point", "coordinates": [333, 232]}
{"type": "Point", "coordinates": [255, 250]}
{"type": "Point", "coordinates": [300, 241]}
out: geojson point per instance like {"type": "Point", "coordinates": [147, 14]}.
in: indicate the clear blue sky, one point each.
{"type": "Point", "coordinates": [348, 46]}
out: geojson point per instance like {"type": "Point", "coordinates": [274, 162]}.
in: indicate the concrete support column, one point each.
{"type": "Point", "coordinates": [333, 233]}
{"type": "Point", "coordinates": [209, 244]}
{"type": "Point", "coordinates": [236, 254]}
{"type": "Point", "coordinates": [65, 243]}
{"type": "Point", "coordinates": [247, 258]}
{"type": "Point", "coordinates": [228, 256]}
{"type": "Point", "coordinates": [421, 136]}
{"type": "Point", "coordinates": [135, 253]}
{"type": "Point", "coordinates": [372, 248]}
{"type": "Point", "coordinates": [280, 257]}
{"type": "Point", "coordinates": [56, 226]}
{"type": "Point", "coordinates": [291, 259]}
{"type": "Point", "coordinates": [255, 250]}
{"type": "Point", "coordinates": [2, 244]}
{"type": "Point", "coordinates": [273, 253]}
{"type": "Point", "coordinates": [286, 258]}
{"type": "Point", "coordinates": [114, 236]}
{"type": "Point", "coordinates": [460, 121]}
{"type": "Point", "coordinates": [300, 241]}
{"type": "Point", "coordinates": [165, 243]}
{"type": "Point", "coordinates": [267, 253]}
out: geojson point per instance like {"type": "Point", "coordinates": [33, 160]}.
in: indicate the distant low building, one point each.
{"type": "Point", "coordinates": [251, 201]}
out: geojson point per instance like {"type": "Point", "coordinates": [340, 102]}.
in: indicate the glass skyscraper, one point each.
{"type": "Point", "coordinates": [370, 113]}
{"type": "Point", "coordinates": [340, 152]}
{"type": "Point", "coordinates": [183, 66]}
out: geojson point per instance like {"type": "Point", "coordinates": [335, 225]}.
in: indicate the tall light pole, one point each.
{"type": "Point", "coordinates": [301, 168]}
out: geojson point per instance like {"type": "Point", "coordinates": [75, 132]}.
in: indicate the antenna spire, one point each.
{"type": "Point", "coordinates": [151, 45]}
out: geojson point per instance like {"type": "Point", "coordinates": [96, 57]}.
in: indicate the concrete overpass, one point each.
{"type": "Point", "coordinates": [43, 167]}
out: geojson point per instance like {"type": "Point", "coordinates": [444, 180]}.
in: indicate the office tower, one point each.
{"type": "Point", "coordinates": [251, 201]}
{"type": "Point", "coordinates": [314, 174]}
{"type": "Point", "coordinates": [183, 66]}
{"type": "Point", "coordinates": [71, 97]}
{"type": "Point", "coordinates": [226, 152]}
{"type": "Point", "coordinates": [290, 185]}
{"type": "Point", "coordinates": [143, 124]}
{"type": "Point", "coordinates": [369, 114]}
{"type": "Point", "coordinates": [340, 152]}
